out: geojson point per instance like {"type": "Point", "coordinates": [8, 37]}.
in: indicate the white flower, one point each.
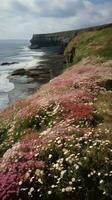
{"type": "Point", "coordinates": [30, 191]}
{"type": "Point", "coordinates": [50, 156]}
{"type": "Point", "coordinates": [40, 181]}
{"type": "Point", "coordinates": [101, 181]}
{"type": "Point", "coordinates": [69, 189]}
{"type": "Point", "coordinates": [31, 178]}
{"type": "Point", "coordinates": [38, 172]}
{"type": "Point", "coordinates": [59, 141]}
{"type": "Point", "coordinates": [76, 166]}
{"type": "Point", "coordinates": [73, 179]}
{"type": "Point", "coordinates": [63, 190]}
{"type": "Point", "coordinates": [99, 174]}
{"type": "Point", "coordinates": [62, 173]}
{"type": "Point", "coordinates": [20, 182]}
{"type": "Point", "coordinates": [53, 186]}
{"type": "Point", "coordinates": [49, 192]}
{"type": "Point", "coordinates": [104, 193]}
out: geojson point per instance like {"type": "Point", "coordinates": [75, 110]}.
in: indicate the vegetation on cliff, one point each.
{"type": "Point", "coordinates": [57, 143]}
{"type": "Point", "coordinates": [95, 44]}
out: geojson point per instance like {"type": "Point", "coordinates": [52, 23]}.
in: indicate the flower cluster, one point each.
{"type": "Point", "coordinates": [79, 165]}
{"type": "Point", "coordinates": [57, 143]}
{"type": "Point", "coordinates": [78, 111]}
{"type": "Point", "coordinates": [65, 167]}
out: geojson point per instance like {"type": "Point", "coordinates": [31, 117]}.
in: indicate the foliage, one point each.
{"type": "Point", "coordinates": [96, 43]}
{"type": "Point", "coordinates": [78, 166]}
{"type": "Point", "coordinates": [57, 144]}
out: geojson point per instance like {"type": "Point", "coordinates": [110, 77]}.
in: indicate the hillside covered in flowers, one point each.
{"type": "Point", "coordinates": [57, 143]}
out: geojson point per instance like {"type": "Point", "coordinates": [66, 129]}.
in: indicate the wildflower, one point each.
{"type": "Point", "coordinates": [62, 173]}
{"type": "Point", "coordinates": [30, 191]}
{"type": "Point", "coordinates": [68, 189]}
{"type": "Point", "coordinates": [31, 178]}
{"type": "Point", "coordinates": [27, 175]}
{"type": "Point", "coordinates": [63, 190]}
{"type": "Point", "coordinates": [40, 180]}
{"type": "Point", "coordinates": [73, 179]}
{"type": "Point", "coordinates": [52, 186]}
{"type": "Point", "coordinates": [50, 156]}
{"type": "Point", "coordinates": [104, 193]}
{"type": "Point", "coordinates": [76, 166]}
{"type": "Point", "coordinates": [59, 141]}
{"type": "Point", "coordinates": [99, 174]}
{"type": "Point", "coordinates": [101, 181]}
{"type": "Point", "coordinates": [49, 192]}
{"type": "Point", "coordinates": [70, 182]}
{"type": "Point", "coordinates": [20, 182]}
{"type": "Point", "coordinates": [39, 172]}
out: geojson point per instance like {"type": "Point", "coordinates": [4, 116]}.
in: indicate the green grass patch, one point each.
{"type": "Point", "coordinates": [96, 43]}
{"type": "Point", "coordinates": [103, 106]}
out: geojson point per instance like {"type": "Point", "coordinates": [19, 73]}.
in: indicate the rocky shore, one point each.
{"type": "Point", "coordinates": [27, 81]}
{"type": "Point", "coordinates": [58, 49]}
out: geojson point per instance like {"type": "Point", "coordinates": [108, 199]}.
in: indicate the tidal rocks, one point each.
{"type": "Point", "coordinates": [19, 72]}
{"type": "Point", "coordinates": [8, 63]}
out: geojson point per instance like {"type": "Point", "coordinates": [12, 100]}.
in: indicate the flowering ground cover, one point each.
{"type": "Point", "coordinates": [57, 143]}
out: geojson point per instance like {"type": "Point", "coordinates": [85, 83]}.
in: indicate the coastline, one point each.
{"type": "Point", "coordinates": [57, 142]}
{"type": "Point", "coordinates": [28, 81]}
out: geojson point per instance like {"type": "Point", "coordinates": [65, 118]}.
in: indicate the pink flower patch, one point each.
{"type": "Point", "coordinates": [78, 111]}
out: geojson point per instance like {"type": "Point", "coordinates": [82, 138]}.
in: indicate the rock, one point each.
{"type": "Point", "coordinates": [59, 40]}
{"type": "Point", "coordinates": [34, 47]}
{"type": "Point", "coordinates": [8, 63]}
{"type": "Point", "coordinates": [19, 72]}
{"type": "Point", "coordinates": [107, 84]}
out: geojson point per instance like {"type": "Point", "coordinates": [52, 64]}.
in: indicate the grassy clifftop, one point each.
{"type": "Point", "coordinates": [92, 43]}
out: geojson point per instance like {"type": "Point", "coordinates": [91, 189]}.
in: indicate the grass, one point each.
{"type": "Point", "coordinates": [96, 43]}
{"type": "Point", "coordinates": [3, 137]}
{"type": "Point", "coordinates": [103, 106]}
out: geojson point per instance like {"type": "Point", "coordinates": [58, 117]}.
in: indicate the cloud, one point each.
{"type": "Point", "coordinates": [22, 18]}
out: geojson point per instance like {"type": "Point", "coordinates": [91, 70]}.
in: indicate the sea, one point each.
{"type": "Point", "coordinates": [18, 52]}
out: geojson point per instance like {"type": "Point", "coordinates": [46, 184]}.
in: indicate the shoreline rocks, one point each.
{"type": "Point", "coordinates": [8, 63]}
{"type": "Point", "coordinates": [27, 81]}
{"type": "Point", "coordinates": [19, 72]}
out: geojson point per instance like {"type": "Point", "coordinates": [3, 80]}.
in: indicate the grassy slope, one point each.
{"type": "Point", "coordinates": [57, 144]}
{"type": "Point", "coordinates": [97, 46]}
{"type": "Point", "coordinates": [96, 43]}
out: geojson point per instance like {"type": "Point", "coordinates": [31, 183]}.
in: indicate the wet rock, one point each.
{"type": "Point", "coordinates": [8, 63]}
{"type": "Point", "coordinates": [107, 84]}
{"type": "Point", "coordinates": [19, 72]}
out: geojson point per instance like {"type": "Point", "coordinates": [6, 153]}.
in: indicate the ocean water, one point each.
{"type": "Point", "coordinates": [14, 51]}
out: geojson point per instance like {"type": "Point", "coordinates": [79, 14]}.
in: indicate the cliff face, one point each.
{"type": "Point", "coordinates": [60, 39]}
{"type": "Point", "coordinates": [54, 39]}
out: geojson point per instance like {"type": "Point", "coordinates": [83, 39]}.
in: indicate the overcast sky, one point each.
{"type": "Point", "coordinates": [22, 18]}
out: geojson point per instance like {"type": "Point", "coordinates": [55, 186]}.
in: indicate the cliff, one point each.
{"type": "Point", "coordinates": [55, 39]}
{"type": "Point", "coordinates": [57, 143]}
{"type": "Point", "coordinates": [60, 39]}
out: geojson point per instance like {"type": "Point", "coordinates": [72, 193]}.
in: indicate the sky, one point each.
{"type": "Point", "coordinates": [19, 19]}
